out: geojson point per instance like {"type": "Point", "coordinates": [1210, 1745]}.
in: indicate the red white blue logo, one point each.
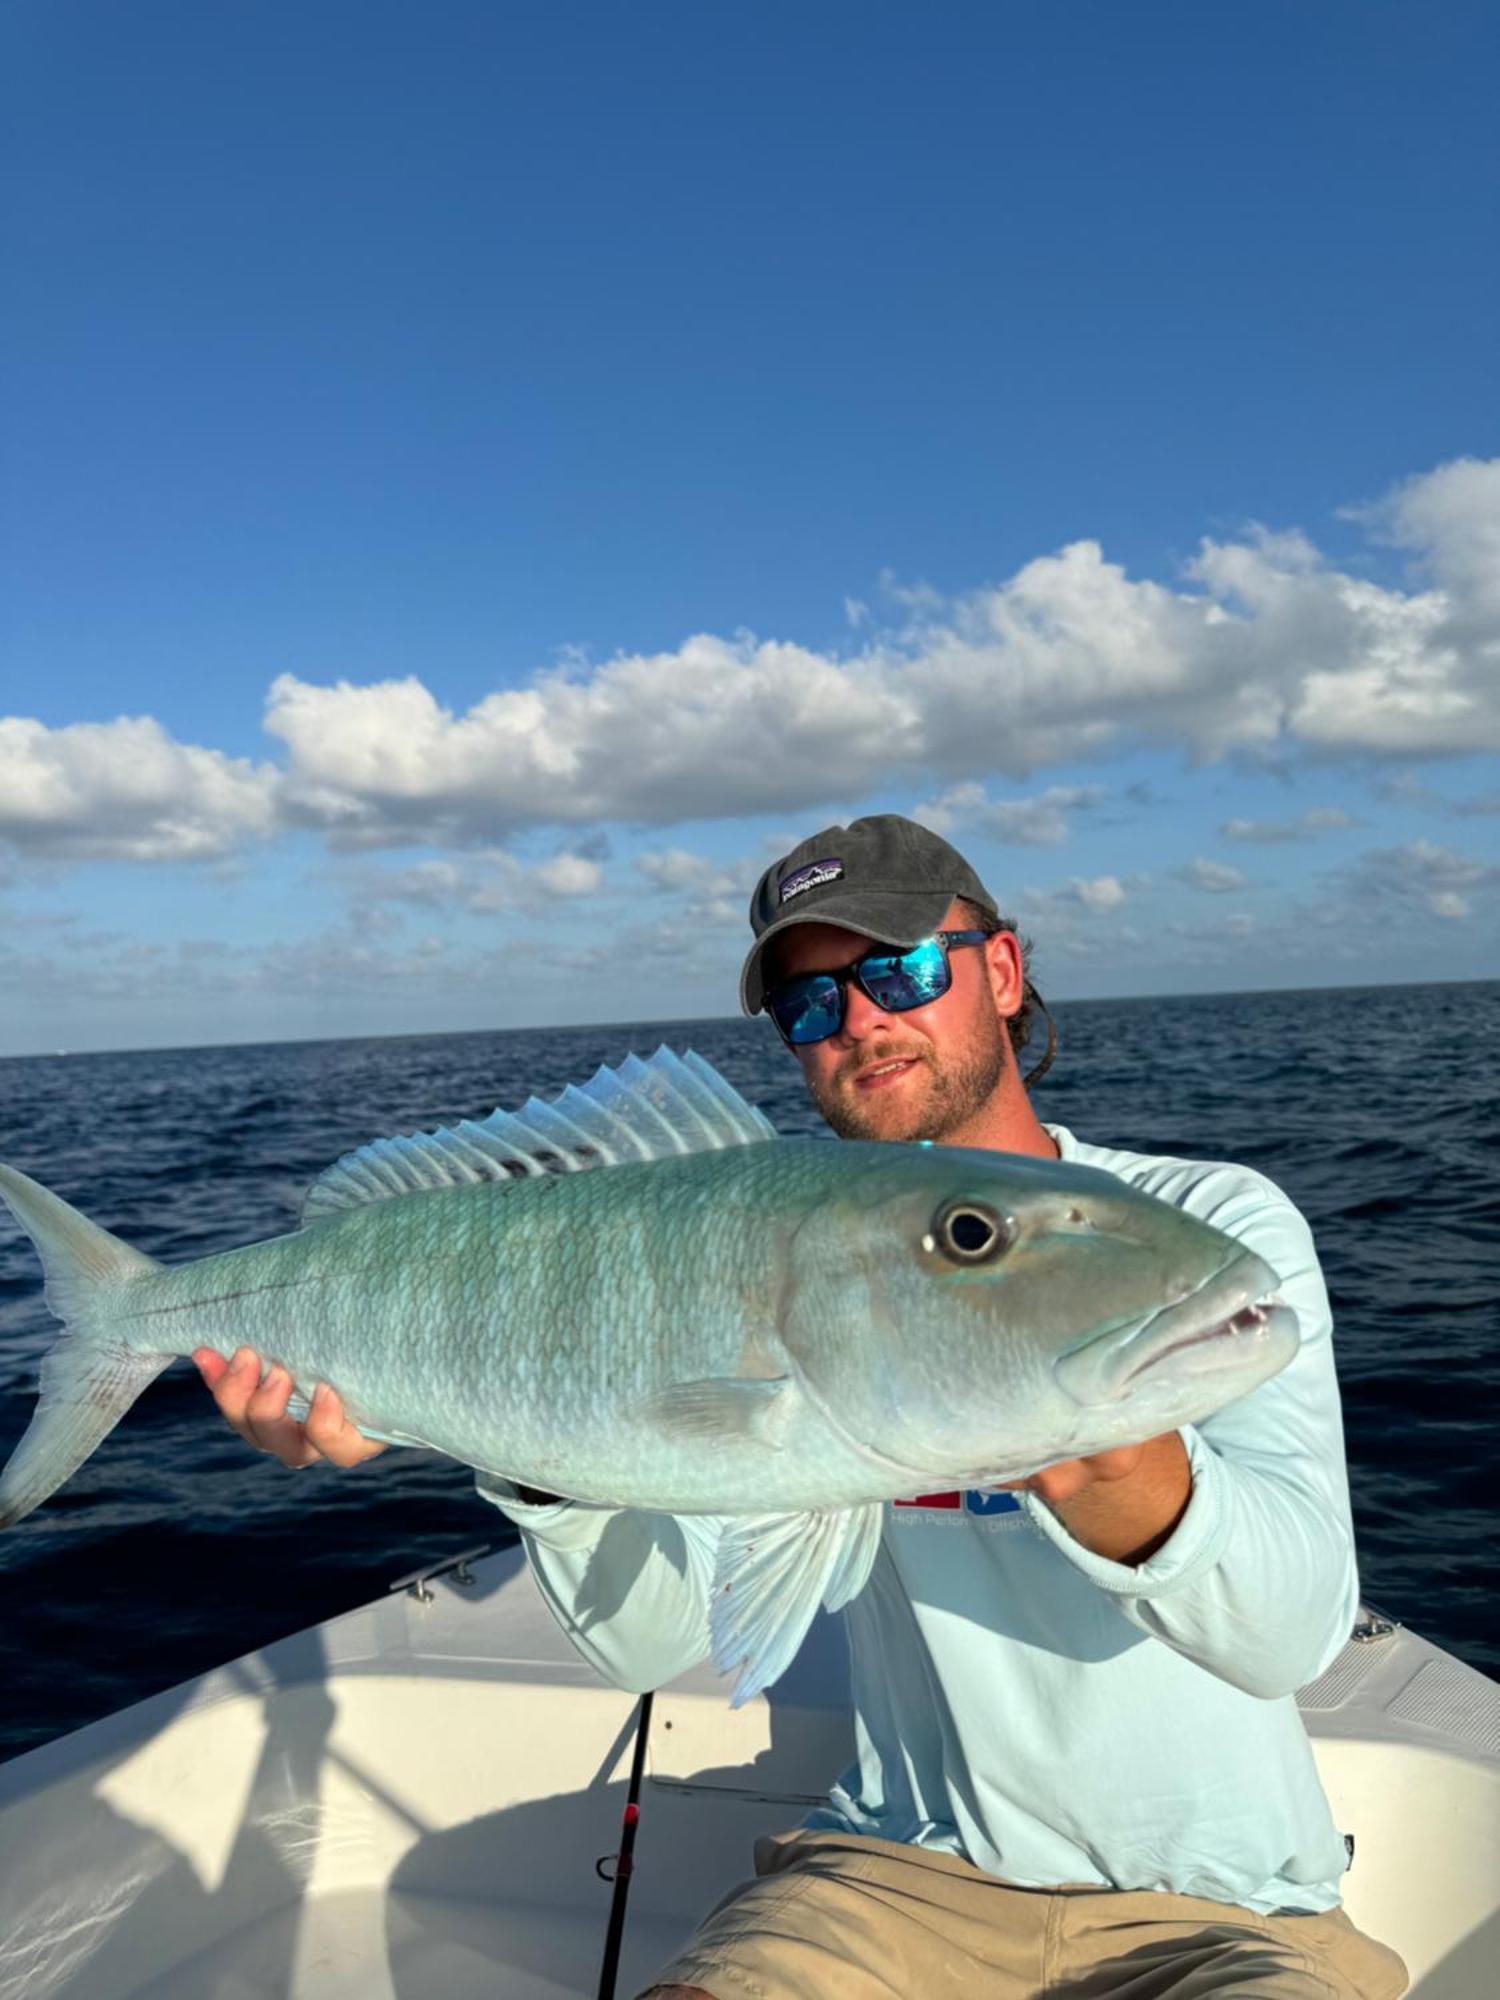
{"type": "Point", "coordinates": [972, 1502]}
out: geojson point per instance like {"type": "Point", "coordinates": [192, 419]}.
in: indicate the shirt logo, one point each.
{"type": "Point", "coordinates": [813, 876]}
{"type": "Point", "coordinates": [973, 1502]}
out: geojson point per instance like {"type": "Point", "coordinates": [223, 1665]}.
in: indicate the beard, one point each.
{"type": "Point", "coordinates": [958, 1085]}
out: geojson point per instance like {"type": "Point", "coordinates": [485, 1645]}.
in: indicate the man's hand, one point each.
{"type": "Point", "coordinates": [257, 1410]}
{"type": "Point", "coordinates": [1121, 1504]}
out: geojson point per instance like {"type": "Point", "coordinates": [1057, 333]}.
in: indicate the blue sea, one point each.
{"type": "Point", "coordinates": [176, 1547]}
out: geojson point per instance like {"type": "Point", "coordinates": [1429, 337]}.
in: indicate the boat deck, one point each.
{"type": "Point", "coordinates": [410, 1800]}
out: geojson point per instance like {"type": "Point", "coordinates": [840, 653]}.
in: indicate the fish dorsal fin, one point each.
{"type": "Point", "coordinates": [640, 1111]}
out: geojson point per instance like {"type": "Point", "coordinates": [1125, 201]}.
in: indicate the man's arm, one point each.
{"type": "Point", "coordinates": [630, 1588]}
{"type": "Point", "coordinates": [1251, 1573]}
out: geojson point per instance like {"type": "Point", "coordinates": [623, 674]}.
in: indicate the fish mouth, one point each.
{"type": "Point", "coordinates": [1242, 1329]}
{"type": "Point", "coordinates": [1234, 1320]}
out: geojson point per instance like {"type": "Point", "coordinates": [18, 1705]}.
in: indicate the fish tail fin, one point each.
{"type": "Point", "coordinates": [91, 1376]}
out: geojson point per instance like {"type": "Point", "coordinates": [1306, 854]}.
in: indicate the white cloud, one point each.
{"type": "Point", "coordinates": [1420, 877]}
{"type": "Point", "coordinates": [720, 727]}
{"type": "Point", "coordinates": [1265, 649]}
{"type": "Point", "coordinates": [1100, 894]}
{"type": "Point", "coordinates": [678, 871]}
{"type": "Point", "coordinates": [569, 875]}
{"type": "Point", "coordinates": [125, 791]}
{"type": "Point", "coordinates": [1264, 831]}
{"type": "Point", "coordinates": [1215, 876]}
{"type": "Point", "coordinates": [1321, 819]}
{"type": "Point", "coordinates": [712, 896]}
{"type": "Point", "coordinates": [1262, 649]}
{"type": "Point", "coordinates": [1451, 519]}
{"type": "Point", "coordinates": [485, 884]}
{"type": "Point", "coordinates": [1039, 821]}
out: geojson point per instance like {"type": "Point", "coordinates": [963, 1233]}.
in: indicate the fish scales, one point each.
{"type": "Point", "coordinates": [641, 1297]}
{"type": "Point", "coordinates": [520, 1328]}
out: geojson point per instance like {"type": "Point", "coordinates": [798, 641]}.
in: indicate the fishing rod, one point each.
{"type": "Point", "coordinates": [625, 1860]}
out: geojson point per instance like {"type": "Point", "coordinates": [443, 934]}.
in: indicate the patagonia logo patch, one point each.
{"type": "Point", "coordinates": [813, 876]}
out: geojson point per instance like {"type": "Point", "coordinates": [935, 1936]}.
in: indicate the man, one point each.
{"type": "Point", "coordinates": [1080, 1762]}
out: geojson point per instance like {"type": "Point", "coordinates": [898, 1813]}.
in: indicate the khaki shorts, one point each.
{"type": "Point", "coordinates": [850, 1918]}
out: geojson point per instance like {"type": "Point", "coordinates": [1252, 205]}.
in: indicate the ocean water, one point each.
{"type": "Point", "coordinates": [175, 1547]}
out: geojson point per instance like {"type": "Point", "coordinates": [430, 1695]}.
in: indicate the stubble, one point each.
{"type": "Point", "coordinates": [959, 1084]}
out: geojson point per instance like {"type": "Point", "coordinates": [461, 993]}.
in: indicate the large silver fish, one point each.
{"type": "Point", "coordinates": [712, 1319]}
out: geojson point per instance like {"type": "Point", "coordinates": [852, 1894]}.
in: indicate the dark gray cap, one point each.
{"type": "Point", "coordinates": [885, 877]}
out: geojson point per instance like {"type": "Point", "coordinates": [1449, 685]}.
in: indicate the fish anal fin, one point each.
{"type": "Point", "coordinates": [773, 1570]}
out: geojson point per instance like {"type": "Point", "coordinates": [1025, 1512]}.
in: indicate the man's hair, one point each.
{"type": "Point", "coordinates": [1020, 1024]}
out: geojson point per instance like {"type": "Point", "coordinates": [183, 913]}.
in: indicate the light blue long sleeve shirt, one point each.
{"type": "Point", "coordinates": [1018, 1699]}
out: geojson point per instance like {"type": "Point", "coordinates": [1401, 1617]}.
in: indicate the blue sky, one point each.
{"type": "Point", "coordinates": [481, 479]}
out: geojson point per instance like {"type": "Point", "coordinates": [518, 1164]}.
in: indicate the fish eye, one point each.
{"type": "Point", "coordinates": [970, 1232]}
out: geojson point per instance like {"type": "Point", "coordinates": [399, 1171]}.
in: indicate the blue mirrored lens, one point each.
{"type": "Point", "coordinates": [907, 979]}
{"type": "Point", "coordinates": [807, 1010]}
{"type": "Point", "coordinates": [812, 1009]}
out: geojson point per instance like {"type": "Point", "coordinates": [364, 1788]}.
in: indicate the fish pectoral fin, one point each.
{"type": "Point", "coordinates": [773, 1571]}
{"type": "Point", "coordinates": [721, 1407]}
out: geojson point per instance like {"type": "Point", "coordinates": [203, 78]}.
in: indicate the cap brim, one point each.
{"type": "Point", "coordinates": [901, 917]}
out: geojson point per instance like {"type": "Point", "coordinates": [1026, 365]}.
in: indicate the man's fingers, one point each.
{"type": "Point", "coordinates": [269, 1426]}
{"type": "Point", "coordinates": [256, 1409]}
{"type": "Point", "coordinates": [238, 1380]}
{"type": "Point", "coordinates": [267, 1405]}
{"type": "Point", "coordinates": [332, 1433]}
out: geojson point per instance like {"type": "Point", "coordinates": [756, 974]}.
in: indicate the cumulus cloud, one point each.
{"type": "Point", "coordinates": [1039, 821]}
{"type": "Point", "coordinates": [569, 874]}
{"type": "Point", "coordinates": [1450, 519]}
{"type": "Point", "coordinates": [678, 871]}
{"type": "Point", "coordinates": [1321, 819]}
{"type": "Point", "coordinates": [126, 791]}
{"type": "Point", "coordinates": [1215, 876]}
{"type": "Point", "coordinates": [1103, 892]}
{"type": "Point", "coordinates": [1262, 648]}
{"type": "Point", "coordinates": [1203, 942]}
{"type": "Point", "coordinates": [713, 894]}
{"type": "Point", "coordinates": [486, 884]}
{"type": "Point", "coordinates": [1420, 878]}
{"type": "Point", "coordinates": [719, 728]}
{"type": "Point", "coordinates": [1098, 895]}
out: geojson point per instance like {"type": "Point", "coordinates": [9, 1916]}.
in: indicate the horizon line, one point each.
{"type": "Point", "coordinates": [670, 1021]}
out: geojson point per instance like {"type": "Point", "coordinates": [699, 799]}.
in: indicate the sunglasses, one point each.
{"type": "Point", "coordinates": [812, 1008]}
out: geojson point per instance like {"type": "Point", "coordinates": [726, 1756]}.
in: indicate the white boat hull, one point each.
{"type": "Point", "coordinates": [410, 1801]}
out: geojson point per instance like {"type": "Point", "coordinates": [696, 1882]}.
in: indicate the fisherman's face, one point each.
{"type": "Point", "coordinates": [924, 1074]}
